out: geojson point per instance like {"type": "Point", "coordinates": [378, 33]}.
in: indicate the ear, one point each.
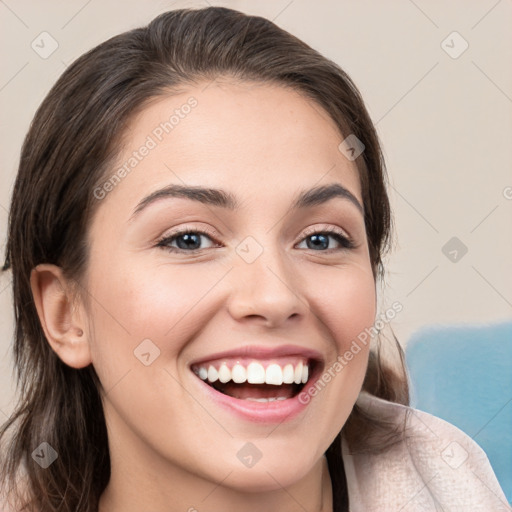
{"type": "Point", "coordinates": [62, 322]}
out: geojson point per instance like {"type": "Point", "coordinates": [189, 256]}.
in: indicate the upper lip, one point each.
{"type": "Point", "coordinates": [262, 352]}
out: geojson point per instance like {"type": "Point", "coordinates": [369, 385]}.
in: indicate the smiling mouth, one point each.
{"type": "Point", "coordinates": [255, 380]}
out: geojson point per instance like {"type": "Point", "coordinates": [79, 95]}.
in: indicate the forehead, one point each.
{"type": "Point", "coordinates": [249, 137]}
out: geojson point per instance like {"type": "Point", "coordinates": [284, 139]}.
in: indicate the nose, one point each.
{"type": "Point", "coordinates": [267, 291]}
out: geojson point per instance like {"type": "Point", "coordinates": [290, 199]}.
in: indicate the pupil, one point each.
{"type": "Point", "coordinates": [189, 239]}
{"type": "Point", "coordinates": [315, 240]}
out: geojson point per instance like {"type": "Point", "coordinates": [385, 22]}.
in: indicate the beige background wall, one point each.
{"type": "Point", "coordinates": [445, 123]}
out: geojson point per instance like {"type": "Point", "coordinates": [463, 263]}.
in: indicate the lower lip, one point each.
{"type": "Point", "coordinates": [277, 411]}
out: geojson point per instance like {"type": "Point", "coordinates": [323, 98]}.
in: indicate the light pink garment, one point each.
{"type": "Point", "coordinates": [437, 468]}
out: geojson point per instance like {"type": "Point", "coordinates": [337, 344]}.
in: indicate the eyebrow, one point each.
{"type": "Point", "coordinates": [224, 199]}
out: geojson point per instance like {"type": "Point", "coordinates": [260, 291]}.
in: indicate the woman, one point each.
{"type": "Point", "coordinates": [196, 233]}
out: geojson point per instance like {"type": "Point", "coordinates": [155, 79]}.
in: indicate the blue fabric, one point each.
{"type": "Point", "coordinates": [463, 375]}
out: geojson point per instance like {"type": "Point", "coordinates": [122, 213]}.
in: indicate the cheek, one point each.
{"type": "Point", "coordinates": [165, 305]}
{"type": "Point", "coordinates": [344, 300]}
{"type": "Point", "coordinates": [345, 304]}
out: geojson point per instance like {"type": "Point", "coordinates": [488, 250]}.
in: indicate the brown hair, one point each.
{"type": "Point", "coordinates": [70, 147]}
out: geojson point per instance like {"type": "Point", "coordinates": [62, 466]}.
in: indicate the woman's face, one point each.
{"type": "Point", "coordinates": [281, 278]}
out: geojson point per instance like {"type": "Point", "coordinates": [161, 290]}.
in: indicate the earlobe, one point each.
{"type": "Point", "coordinates": [62, 323]}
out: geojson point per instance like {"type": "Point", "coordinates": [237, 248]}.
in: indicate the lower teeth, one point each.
{"type": "Point", "coordinates": [271, 399]}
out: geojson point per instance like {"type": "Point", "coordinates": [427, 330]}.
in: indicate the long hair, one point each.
{"type": "Point", "coordinates": [71, 145]}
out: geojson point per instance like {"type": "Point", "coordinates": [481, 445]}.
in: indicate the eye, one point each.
{"type": "Point", "coordinates": [187, 240]}
{"type": "Point", "coordinates": [320, 239]}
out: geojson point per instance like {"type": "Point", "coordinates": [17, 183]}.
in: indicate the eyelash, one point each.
{"type": "Point", "coordinates": [345, 242]}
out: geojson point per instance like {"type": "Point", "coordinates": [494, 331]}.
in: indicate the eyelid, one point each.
{"type": "Point", "coordinates": [188, 229]}
{"type": "Point", "coordinates": [328, 229]}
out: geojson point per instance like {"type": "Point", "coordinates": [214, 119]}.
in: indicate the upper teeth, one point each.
{"type": "Point", "coordinates": [255, 373]}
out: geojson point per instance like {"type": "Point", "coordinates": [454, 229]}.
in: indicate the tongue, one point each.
{"type": "Point", "coordinates": [244, 391]}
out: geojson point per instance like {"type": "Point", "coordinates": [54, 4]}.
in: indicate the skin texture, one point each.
{"type": "Point", "coordinates": [172, 448]}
